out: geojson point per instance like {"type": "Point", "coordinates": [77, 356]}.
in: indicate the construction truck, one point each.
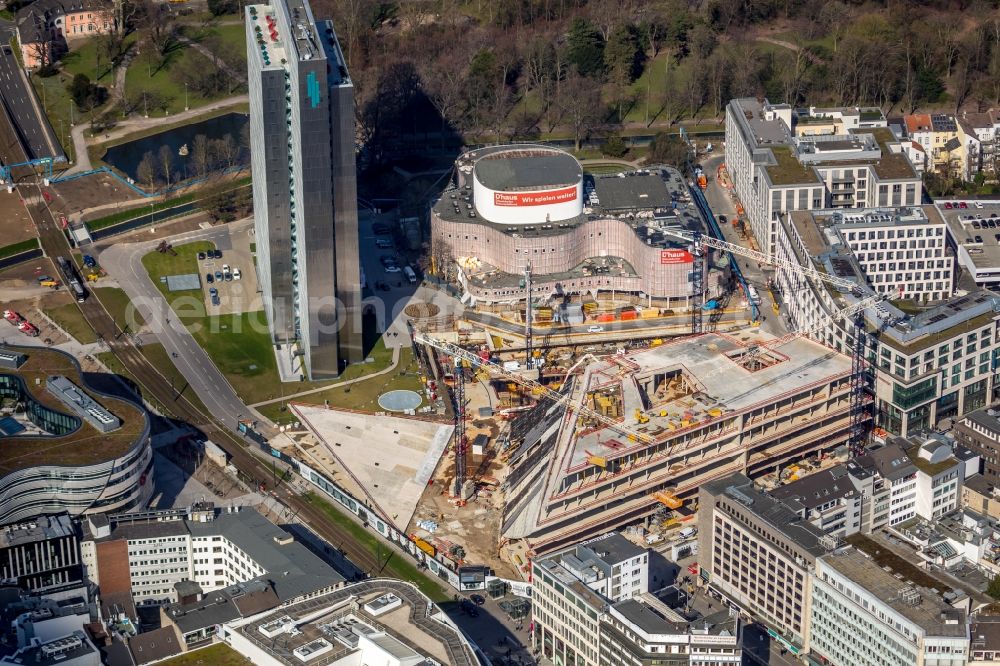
{"type": "Point", "coordinates": [13, 317]}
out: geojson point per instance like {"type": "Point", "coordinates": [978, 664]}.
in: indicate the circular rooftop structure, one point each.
{"type": "Point", "coordinates": [525, 184]}
{"type": "Point", "coordinates": [399, 401]}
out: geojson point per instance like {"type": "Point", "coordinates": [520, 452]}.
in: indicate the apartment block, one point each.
{"type": "Point", "coordinates": [591, 605]}
{"type": "Point", "coordinates": [978, 133]}
{"type": "Point", "coordinates": [862, 615]}
{"type": "Point", "coordinates": [302, 138]}
{"type": "Point", "coordinates": [931, 363]}
{"type": "Point", "coordinates": [757, 552]}
{"type": "Point", "coordinates": [41, 555]}
{"type": "Point", "coordinates": [938, 135]}
{"type": "Point", "coordinates": [833, 499]}
{"type": "Point", "coordinates": [781, 160]}
{"type": "Point", "coordinates": [152, 554]}
{"type": "Point", "coordinates": [980, 431]}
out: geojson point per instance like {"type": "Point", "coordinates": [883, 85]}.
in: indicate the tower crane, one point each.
{"type": "Point", "coordinates": [859, 375]}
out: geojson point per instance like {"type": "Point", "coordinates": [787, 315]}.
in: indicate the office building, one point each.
{"type": "Point", "coordinates": [635, 632]}
{"type": "Point", "coordinates": [863, 615]}
{"type": "Point", "coordinates": [591, 606]}
{"type": "Point", "coordinates": [377, 621]}
{"type": "Point", "coordinates": [984, 633]}
{"type": "Point", "coordinates": [930, 362]}
{"type": "Point", "coordinates": [42, 554]}
{"type": "Point", "coordinates": [302, 139]}
{"type": "Point", "coordinates": [974, 235]}
{"type": "Point", "coordinates": [158, 555]}
{"type": "Point", "coordinates": [903, 252]}
{"type": "Point", "coordinates": [701, 409]}
{"type": "Point", "coordinates": [75, 451]}
{"type": "Point", "coordinates": [980, 431]}
{"type": "Point", "coordinates": [757, 553]}
{"type": "Point", "coordinates": [75, 649]}
{"type": "Point", "coordinates": [780, 161]}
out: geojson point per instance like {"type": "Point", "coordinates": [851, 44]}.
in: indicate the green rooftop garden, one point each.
{"type": "Point", "coordinates": [788, 170]}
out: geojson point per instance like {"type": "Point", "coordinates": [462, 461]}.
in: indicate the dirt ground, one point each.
{"type": "Point", "coordinates": [15, 225]}
{"type": "Point", "coordinates": [31, 309]}
{"type": "Point", "coordinates": [74, 196]}
{"type": "Point", "coordinates": [172, 228]}
{"type": "Point", "coordinates": [476, 526]}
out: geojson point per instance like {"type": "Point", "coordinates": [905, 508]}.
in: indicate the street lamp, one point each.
{"type": "Point", "coordinates": [186, 96]}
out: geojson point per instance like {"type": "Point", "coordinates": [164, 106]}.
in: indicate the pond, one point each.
{"type": "Point", "coordinates": [127, 156]}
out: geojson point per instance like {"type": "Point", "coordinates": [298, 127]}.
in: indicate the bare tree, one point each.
{"type": "Point", "coordinates": [582, 110]}
{"type": "Point", "coordinates": [442, 80]}
{"type": "Point", "coordinates": [146, 170]}
{"type": "Point", "coordinates": [200, 158]}
{"type": "Point", "coordinates": [166, 157]}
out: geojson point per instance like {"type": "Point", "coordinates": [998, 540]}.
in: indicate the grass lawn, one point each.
{"type": "Point", "coordinates": [157, 355]}
{"type": "Point", "coordinates": [71, 320]}
{"type": "Point", "coordinates": [56, 101]}
{"type": "Point", "coordinates": [117, 303]}
{"type": "Point", "coordinates": [143, 76]}
{"type": "Point", "coordinates": [397, 567]}
{"type": "Point", "coordinates": [361, 395]}
{"type": "Point", "coordinates": [86, 59]}
{"type": "Point", "coordinates": [218, 654]}
{"type": "Point", "coordinates": [240, 346]}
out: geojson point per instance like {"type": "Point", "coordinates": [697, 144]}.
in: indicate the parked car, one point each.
{"type": "Point", "coordinates": [469, 608]}
{"type": "Point", "coordinates": [213, 292]}
{"type": "Point", "coordinates": [979, 204]}
{"type": "Point", "coordinates": [963, 205]}
{"type": "Point", "coordinates": [383, 243]}
{"type": "Point", "coordinates": [227, 272]}
{"type": "Point", "coordinates": [947, 205]}
{"type": "Point", "coordinates": [218, 254]}
{"type": "Point", "coordinates": [477, 599]}
{"type": "Point", "coordinates": [595, 329]}
{"type": "Point", "coordinates": [89, 261]}
{"type": "Point", "coordinates": [218, 276]}
{"type": "Point", "coordinates": [201, 256]}
{"type": "Point", "coordinates": [209, 278]}
{"type": "Point", "coordinates": [236, 274]}
{"type": "Point", "coordinates": [392, 268]}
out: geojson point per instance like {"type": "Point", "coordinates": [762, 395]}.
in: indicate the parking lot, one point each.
{"type": "Point", "coordinates": [235, 295]}
{"type": "Point", "coordinates": [391, 287]}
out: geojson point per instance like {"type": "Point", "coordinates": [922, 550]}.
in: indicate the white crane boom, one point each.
{"type": "Point", "coordinates": [536, 388]}
{"type": "Point", "coordinates": [764, 258]}
{"type": "Point", "coordinates": [824, 321]}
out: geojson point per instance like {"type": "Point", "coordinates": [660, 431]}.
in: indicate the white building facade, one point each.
{"type": "Point", "coordinates": [862, 616]}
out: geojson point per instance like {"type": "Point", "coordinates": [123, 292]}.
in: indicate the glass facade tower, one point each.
{"type": "Point", "coordinates": [304, 185]}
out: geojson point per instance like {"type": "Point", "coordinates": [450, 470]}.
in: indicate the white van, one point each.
{"type": "Point", "coordinates": [410, 275]}
{"type": "Point", "coordinates": [688, 532]}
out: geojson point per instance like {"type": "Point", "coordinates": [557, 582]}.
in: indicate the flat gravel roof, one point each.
{"type": "Point", "coordinates": [512, 170]}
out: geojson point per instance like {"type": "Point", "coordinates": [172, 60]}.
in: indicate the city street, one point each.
{"type": "Point", "coordinates": [18, 98]}
{"type": "Point", "coordinates": [721, 203]}
{"type": "Point", "coordinates": [124, 262]}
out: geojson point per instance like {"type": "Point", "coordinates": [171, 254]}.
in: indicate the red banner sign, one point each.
{"type": "Point", "coordinates": [534, 198]}
{"type": "Point", "coordinates": [676, 257]}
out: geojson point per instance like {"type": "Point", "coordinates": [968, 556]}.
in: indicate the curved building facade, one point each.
{"type": "Point", "coordinates": [68, 448]}
{"type": "Point", "coordinates": [512, 206]}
